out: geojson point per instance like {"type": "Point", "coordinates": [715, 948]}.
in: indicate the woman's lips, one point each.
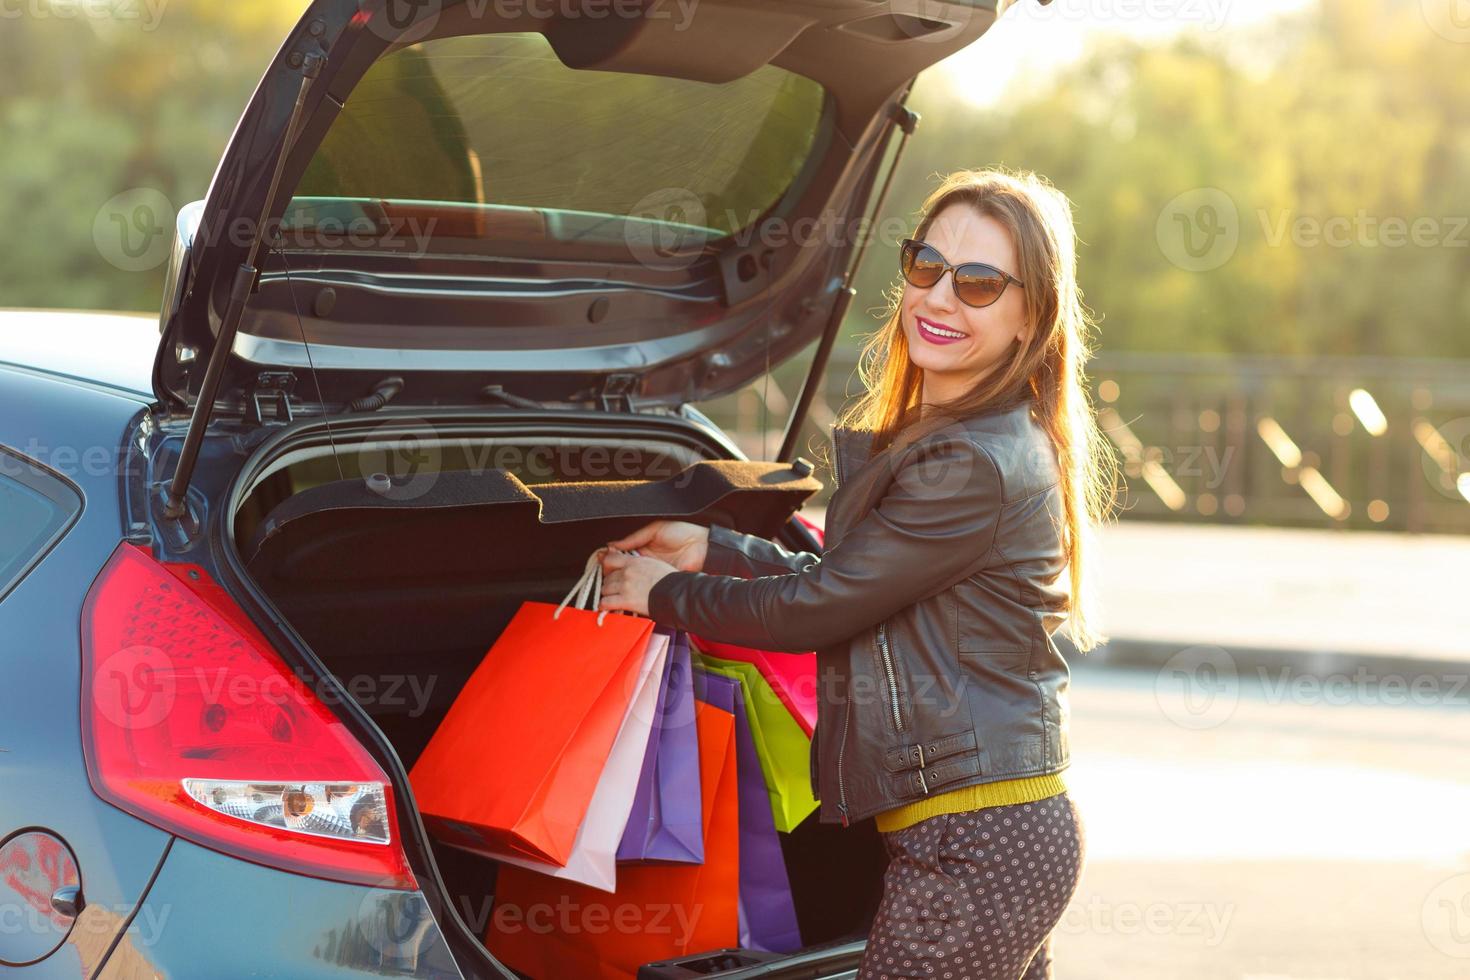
{"type": "Point", "coordinates": [930, 330]}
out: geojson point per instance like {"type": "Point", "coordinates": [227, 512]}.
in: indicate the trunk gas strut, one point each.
{"type": "Point", "coordinates": [240, 291]}
{"type": "Point", "coordinates": [906, 120]}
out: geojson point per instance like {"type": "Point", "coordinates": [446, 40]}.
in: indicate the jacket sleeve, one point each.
{"type": "Point", "coordinates": [935, 525]}
{"type": "Point", "coordinates": [747, 555]}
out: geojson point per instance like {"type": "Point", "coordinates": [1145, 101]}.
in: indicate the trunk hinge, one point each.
{"type": "Point", "coordinates": [240, 289]}
{"type": "Point", "coordinates": [617, 393]}
{"type": "Point", "coordinates": [905, 120]}
{"type": "Point", "coordinates": [274, 387]}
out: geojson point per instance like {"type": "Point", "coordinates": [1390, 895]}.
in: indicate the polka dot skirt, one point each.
{"type": "Point", "coordinates": [975, 895]}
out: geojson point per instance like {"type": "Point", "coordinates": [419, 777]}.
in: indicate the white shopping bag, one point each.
{"type": "Point", "coordinates": [593, 859]}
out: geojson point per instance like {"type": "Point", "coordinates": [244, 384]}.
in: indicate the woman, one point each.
{"type": "Point", "coordinates": [942, 698]}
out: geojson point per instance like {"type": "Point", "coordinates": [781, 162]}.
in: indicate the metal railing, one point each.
{"type": "Point", "coordinates": [1352, 442]}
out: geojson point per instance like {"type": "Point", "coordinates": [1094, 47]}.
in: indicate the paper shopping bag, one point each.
{"type": "Point", "coordinates": [515, 762]}
{"type": "Point", "coordinates": [549, 928]}
{"type": "Point", "coordinates": [792, 676]}
{"type": "Point", "coordinates": [784, 749]}
{"type": "Point", "coordinates": [767, 910]}
{"type": "Point", "coordinates": [593, 860]}
{"type": "Point", "coordinates": [664, 823]}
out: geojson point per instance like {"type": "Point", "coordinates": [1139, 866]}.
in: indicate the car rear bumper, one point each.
{"type": "Point", "coordinates": [212, 915]}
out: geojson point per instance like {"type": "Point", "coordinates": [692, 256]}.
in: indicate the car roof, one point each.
{"type": "Point", "coordinates": [107, 348]}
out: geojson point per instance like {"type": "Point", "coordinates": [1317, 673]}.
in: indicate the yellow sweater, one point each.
{"type": "Point", "coordinates": [1005, 792]}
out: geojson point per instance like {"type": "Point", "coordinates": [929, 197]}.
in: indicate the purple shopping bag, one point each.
{"type": "Point", "coordinates": [665, 823]}
{"type": "Point", "coordinates": [766, 911]}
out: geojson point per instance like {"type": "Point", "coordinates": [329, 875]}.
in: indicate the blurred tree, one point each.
{"type": "Point", "coordinates": [1331, 133]}
{"type": "Point", "coordinates": [1336, 135]}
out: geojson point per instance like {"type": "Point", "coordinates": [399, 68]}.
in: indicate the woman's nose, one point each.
{"type": "Point", "coordinates": [941, 294]}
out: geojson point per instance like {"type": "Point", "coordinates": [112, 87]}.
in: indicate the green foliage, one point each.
{"type": "Point", "coordinates": [1332, 133]}
{"type": "Point", "coordinates": [1337, 119]}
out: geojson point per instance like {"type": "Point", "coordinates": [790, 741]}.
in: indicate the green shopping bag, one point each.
{"type": "Point", "coordinates": [784, 749]}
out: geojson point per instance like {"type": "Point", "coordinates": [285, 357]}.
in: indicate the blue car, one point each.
{"type": "Point", "coordinates": [434, 334]}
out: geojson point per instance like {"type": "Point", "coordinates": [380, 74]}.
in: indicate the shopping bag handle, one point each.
{"type": "Point", "coordinates": [589, 586]}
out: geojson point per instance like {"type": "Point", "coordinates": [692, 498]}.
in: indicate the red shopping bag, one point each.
{"type": "Point", "coordinates": [550, 928]}
{"type": "Point", "coordinates": [793, 676]}
{"type": "Point", "coordinates": [513, 765]}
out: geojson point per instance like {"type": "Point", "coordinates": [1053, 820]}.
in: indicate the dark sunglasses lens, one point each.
{"type": "Point", "coordinates": [922, 265]}
{"type": "Point", "coordinates": [978, 285]}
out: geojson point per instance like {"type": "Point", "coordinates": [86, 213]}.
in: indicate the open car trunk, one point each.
{"type": "Point", "coordinates": [401, 586]}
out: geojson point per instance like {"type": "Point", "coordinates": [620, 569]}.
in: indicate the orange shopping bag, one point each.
{"type": "Point", "coordinates": [553, 929]}
{"type": "Point", "coordinates": [513, 765]}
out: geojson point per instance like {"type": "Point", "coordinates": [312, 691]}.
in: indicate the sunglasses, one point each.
{"type": "Point", "coordinates": [975, 283]}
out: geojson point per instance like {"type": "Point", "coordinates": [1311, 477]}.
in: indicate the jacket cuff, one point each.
{"type": "Point", "coordinates": [723, 556]}
{"type": "Point", "coordinates": [661, 604]}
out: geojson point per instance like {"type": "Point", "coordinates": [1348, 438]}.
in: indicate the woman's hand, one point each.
{"type": "Point", "coordinates": [677, 543]}
{"type": "Point", "coordinates": [627, 580]}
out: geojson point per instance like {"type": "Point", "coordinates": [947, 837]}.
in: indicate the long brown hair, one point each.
{"type": "Point", "coordinates": [1047, 368]}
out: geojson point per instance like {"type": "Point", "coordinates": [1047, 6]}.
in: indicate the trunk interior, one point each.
{"type": "Point", "coordinates": [400, 587]}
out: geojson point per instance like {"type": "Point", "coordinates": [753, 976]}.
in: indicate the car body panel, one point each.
{"type": "Point", "coordinates": [115, 350]}
{"type": "Point", "coordinates": [74, 432]}
{"type": "Point", "coordinates": [211, 915]}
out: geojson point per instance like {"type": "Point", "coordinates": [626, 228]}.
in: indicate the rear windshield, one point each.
{"type": "Point", "coordinates": [496, 139]}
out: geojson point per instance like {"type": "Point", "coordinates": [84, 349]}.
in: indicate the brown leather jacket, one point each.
{"type": "Point", "coordinates": [931, 608]}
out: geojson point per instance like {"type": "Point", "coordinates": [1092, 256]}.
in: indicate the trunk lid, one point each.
{"type": "Point", "coordinates": [580, 202]}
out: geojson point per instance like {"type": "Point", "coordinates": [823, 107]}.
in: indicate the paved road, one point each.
{"type": "Point", "coordinates": [1363, 593]}
{"type": "Point", "coordinates": [1239, 830]}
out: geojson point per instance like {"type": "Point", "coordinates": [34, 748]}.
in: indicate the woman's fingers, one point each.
{"type": "Point", "coordinates": [639, 538]}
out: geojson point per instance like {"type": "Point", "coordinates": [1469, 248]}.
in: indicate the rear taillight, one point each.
{"type": "Point", "coordinates": [191, 722]}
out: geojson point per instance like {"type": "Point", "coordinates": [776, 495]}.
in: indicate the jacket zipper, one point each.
{"type": "Point", "coordinates": [892, 678]}
{"type": "Point", "coordinates": [841, 747]}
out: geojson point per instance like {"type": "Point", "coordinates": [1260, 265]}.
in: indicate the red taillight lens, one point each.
{"type": "Point", "coordinates": [191, 722]}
